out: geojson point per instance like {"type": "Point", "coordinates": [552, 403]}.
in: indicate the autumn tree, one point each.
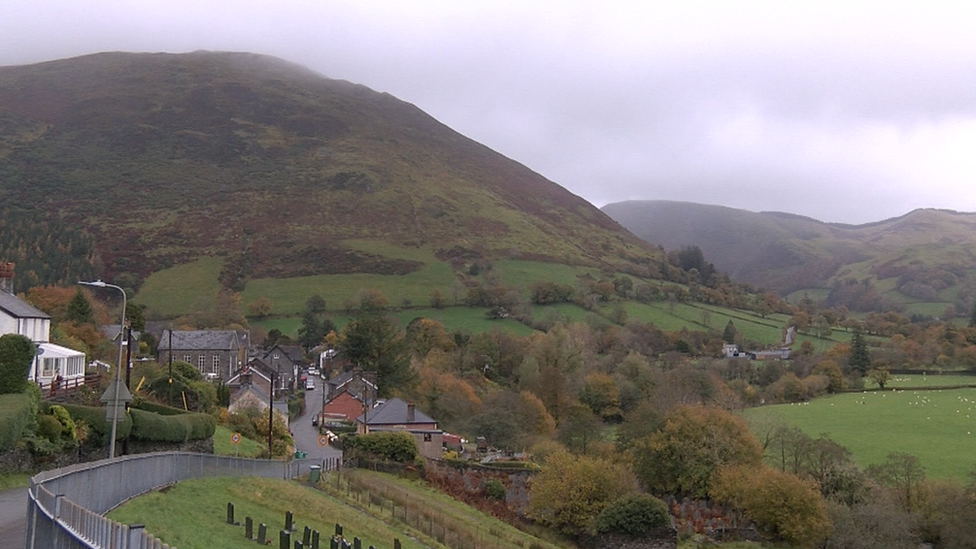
{"type": "Point", "coordinates": [779, 503]}
{"type": "Point", "coordinates": [694, 442]}
{"type": "Point", "coordinates": [881, 376]}
{"type": "Point", "coordinates": [571, 491]}
{"type": "Point", "coordinates": [260, 307]}
{"type": "Point", "coordinates": [600, 394]}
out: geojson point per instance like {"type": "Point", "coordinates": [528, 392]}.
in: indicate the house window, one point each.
{"type": "Point", "coordinates": [427, 437]}
{"type": "Point", "coordinates": [201, 362]}
{"type": "Point", "coordinates": [276, 356]}
{"type": "Point", "coordinates": [216, 364]}
{"type": "Point", "coordinates": [186, 358]}
{"type": "Point", "coordinates": [49, 365]}
{"type": "Point", "coordinates": [75, 365]}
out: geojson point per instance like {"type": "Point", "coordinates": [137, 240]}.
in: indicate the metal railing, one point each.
{"type": "Point", "coordinates": [65, 506]}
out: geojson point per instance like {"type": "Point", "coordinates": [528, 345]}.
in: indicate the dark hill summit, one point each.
{"type": "Point", "coordinates": [163, 158]}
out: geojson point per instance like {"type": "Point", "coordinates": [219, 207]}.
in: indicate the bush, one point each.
{"type": "Point", "coordinates": [494, 489]}
{"type": "Point", "coordinates": [49, 428]}
{"type": "Point", "coordinates": [634, 515]}
{"type": "Point", "coordinates": [386, 446]}
{"type": "Point", "coordinates": [175, 428]}
{"type": "Point", "coordinates": [16, 354]}
{"type": "Point", "coordinates": [161, 409]}
{"type": "Point", "coordinates": [64, 419]}
{"type": "Point", "coordinates": [94, 417]}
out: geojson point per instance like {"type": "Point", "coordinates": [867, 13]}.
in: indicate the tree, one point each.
{"type": "Point", "coordinates": [260, 307]}
{"type": "Point", "coordinates": [79, 310]}
{"type": "Point", "coordinates": [315, 304]}
{"type": "Point", "coordinates": [372, 341]}
{"type": "Point", "coordinates": [730, 334]}
{"type": "Point", "coordinates": [571, 491]}
{"type": "Point", "coordinates": [311, 332]}
{"type": "Point", "coordinates": [902, 472]}
{"type": "Point", "coordinates": [600, 394]}
{"type": "Point", "coordinates": [437, 299]}
{"type": "Point", "coordinates": [135, 316]}
{"type": "Point", "coordinates": [579, 428]}
{"type": "Point", "coordinates": [16, 354]}
{"type": "Point", "coordinates": [694, 442]}
{"type": "Point", "coordinates": [881, 376]}
{"type": "Point", "coordinates": [779, 503]}
{"type": "Point", "coordinates": [859, 359]}
{"type": "Point", "coordinates": [633, 515]}
{"type": "Point", "coordinates": [972, 317]}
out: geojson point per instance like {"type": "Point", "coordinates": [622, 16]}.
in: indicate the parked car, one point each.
{"type": "Point", "coordinates": [309, 385]}
{"type": "Point", "coordinates": [315, 420]}
{"type": "Point", "coordinates": [313, 371]}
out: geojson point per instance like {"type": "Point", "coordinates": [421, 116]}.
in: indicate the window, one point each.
{"type": "Point", "coordinates": [201, 362]}
{"type": "Point", "coordinates": [49, 366]}
{"type": "Point", "coordinates": [76, 365]}
{"type": "Point", "coordinates": [216, 364]}
{"type": "Point", "coordinates": [427, 437]}
{"type": "Point", "coordinates": [186, 358]}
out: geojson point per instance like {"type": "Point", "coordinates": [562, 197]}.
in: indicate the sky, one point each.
{"type": "Point", "coordinates": [842, 111]}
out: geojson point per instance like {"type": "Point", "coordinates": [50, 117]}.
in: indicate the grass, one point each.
{"type": "Point", "coordinates": [938, 426]}
{"type": "Point", "coordinates": [9, 481]}
{"type": "Point", "coordinates": [192, 513]}
{"type": "Point", "coordinates": [224, 447]}
{"type": "Point", "coordinates": [918, 380]}
{"type": "Point", "coordinates": [185, 288]}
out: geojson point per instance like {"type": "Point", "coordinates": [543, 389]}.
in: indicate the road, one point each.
{"type": "Point", "coordinates": [306, 436]}
{"type": "Point", "coordinates": [13, 517]}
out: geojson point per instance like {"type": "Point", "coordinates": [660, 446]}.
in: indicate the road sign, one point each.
{"type": "Point", "coordinates": [323, 440]}
{"type": "Point", "coordinates": [235, 438]}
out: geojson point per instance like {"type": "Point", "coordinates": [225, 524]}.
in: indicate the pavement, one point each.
{"type": "Point", "coordinates": [307, 436]}
{"type": "Point", "coordinates": [13, 517]}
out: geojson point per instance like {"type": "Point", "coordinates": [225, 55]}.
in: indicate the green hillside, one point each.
{"type": "Point", "coordinates": [258, 170]}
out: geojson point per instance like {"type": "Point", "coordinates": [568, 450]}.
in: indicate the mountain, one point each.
{"type": "Point", "coordinates": [275, 169]}
{"type": "Point", "coordinates": [925, 256]}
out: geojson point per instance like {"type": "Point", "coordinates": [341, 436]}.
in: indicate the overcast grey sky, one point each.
{"type": "Point", "coordinates": [843, 111]}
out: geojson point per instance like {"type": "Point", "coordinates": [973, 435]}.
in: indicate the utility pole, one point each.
{"type": "Point", "coordinates": [271, 412]}
{"type": "Point", "coordinates": [170, 402]}
{"type": "Point", "coordinates": [127, 330]}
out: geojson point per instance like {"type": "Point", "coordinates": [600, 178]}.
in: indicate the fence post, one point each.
{"type": "Point", "coordinates": [134, 539]}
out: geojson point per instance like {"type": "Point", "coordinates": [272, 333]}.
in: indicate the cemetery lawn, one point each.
{"type": "Point", "coordinates": [192, 514]}
{"type": "Point", "coordinates": [938, 426]}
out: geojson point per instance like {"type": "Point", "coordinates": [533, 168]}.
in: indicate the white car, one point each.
{"type": "Point", "coordinates": [309, 385]}
{"type": "Point", "coordinates": [313, 371]}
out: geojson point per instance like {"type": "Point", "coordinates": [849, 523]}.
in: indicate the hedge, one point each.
{"type": "Point", "coordinates": [172, 428]}
{"type": "Point", "coordinates": [16, 354]}
{"type": "Point", "coordinates": [395, 446]}
{"type": "Point", "coordinates": [94, 416]}
{"type": "Point", "coordinates": [161, 409]}
{"type": "Point", "coordinates": [15, 418]}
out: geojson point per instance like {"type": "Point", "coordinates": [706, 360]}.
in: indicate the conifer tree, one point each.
{"type": "Point", "coordinates": [79, 310]}
{"type": "Point", "coordinates": [859, 359]}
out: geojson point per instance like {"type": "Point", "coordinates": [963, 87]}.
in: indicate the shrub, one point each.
{"type": "Point", "coordinates": [176, 428]}
{"type": "Point", "coordinates": [161, 409]}
{"type": "Point", "coordinates": [494, 489]}
{"type": "Point", "coordinates": [387, 446]}
{"type": "Point", "coordinates": [49, 428]}
{"type": "Point", "coordinates": [94, 417]}
{"type": "Point", "coordinates": [634, 515]}
{"type": "Point", "coordinates": [64, 419]}
{"type": "Point", "coordinates": [16, 354]}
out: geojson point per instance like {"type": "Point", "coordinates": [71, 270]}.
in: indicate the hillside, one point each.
{"type": "Point", "coordinates": [924, 260]}
{"type": "Point", "coordinates": [163, 159]}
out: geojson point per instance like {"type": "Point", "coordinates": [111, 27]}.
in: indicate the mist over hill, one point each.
{"type": "Point", "coordinates": [163, 158]}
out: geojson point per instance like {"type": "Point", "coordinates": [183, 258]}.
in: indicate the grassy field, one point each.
{"type": "Point", "coordinates": [13, 480]}
{"type": "Point", "coordinates": [224, 447]}
{"type": "Point", "coordinates": [938, 426]}
{"type": "Point", "coordinates": [919, 380]}
{"type": "Point", "coordinates": [182, 289]}
{"type": "Point", "coordinates": [191, 514]}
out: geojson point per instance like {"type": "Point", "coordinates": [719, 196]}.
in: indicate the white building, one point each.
{"type": "Point", "coordinates": [52, 361]}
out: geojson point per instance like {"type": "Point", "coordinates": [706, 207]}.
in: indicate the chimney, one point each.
{"type": "Point", "coordinates": [7, 277]}
{"type": "Point", "coordinates": [410, 412]}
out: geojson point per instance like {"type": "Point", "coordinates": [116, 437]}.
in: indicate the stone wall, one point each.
{"type": "Point", "coordinates": [711, 519]}
{"type": "Point", "coordinates": [20, 460]}
{"type": "Point", "coordinates": [658, 538]}
{"type": "Point", "coordinates": [471, 478]}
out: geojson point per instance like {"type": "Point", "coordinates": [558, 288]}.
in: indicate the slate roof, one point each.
{"type": "Point", "coordinates": [13, 306]}
{"type": "Point", "coordinates": [193, 340]}
{"type": "Point", "coordinates": [394, 412]}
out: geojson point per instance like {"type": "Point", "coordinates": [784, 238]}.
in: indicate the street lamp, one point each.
{"type": "Point", "coordinates": [117, 382]}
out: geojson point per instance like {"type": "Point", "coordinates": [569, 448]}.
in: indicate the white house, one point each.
{"type": "Point", "coordinates": [52, 361]}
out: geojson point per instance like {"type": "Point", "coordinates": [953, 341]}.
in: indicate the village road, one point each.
{"type": "Point", "coordinates": [306, 435]}
{"type": "Point", "coordinates": [13, 517]}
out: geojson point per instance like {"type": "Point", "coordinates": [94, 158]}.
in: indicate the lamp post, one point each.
{"type": "Point", "coordinates": [118, 369]}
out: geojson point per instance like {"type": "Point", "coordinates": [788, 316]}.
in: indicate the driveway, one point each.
{"type": "Point", "coordinates": [13, 517]}
{"type": "Point", "coordinates": [306, 436]}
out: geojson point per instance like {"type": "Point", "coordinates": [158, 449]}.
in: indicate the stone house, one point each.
{"type": "Point", "coordinates": [217, 354]}
{"type": "Point", "coordinates": [397, 415]}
